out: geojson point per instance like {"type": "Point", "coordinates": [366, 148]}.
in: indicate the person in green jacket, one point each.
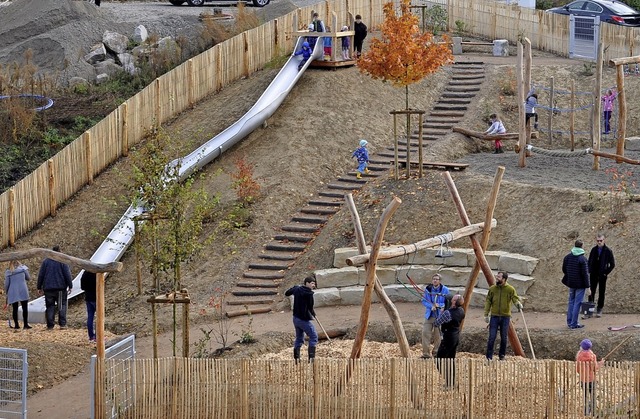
{"type": "Point", "coordinates": [497, 312]}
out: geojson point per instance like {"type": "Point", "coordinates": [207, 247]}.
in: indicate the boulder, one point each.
{"type": "Point", "coordinates": [101, 78]}
{"type": "Point", "coordinates": [128, 62]}
{"type": "Point", "coordinates": [108, 67]}
{"type": "Point", "coordinates": [97, 54]}
{"type": "Point", "coordinates": [115, 42]}
{"type": "Point", "coordinates": [140, 34]}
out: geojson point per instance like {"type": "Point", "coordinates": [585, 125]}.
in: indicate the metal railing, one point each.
{"type": "Point", "coordinates": [13, 383]}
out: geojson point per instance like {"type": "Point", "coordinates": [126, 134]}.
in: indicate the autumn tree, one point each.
{"type": "Point", "coordinates": [403, 55]}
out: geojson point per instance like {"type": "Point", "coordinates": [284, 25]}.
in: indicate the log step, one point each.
{"type": "Point", "coordinates": [439, 125]}
{"type": "Point", "coordinates": [465, 83]}
{"type": "Point", "coordinates": [463, 89]}
{"type": "Point", "coordinates": [319, 210]}
{"type": "Point", "coordinates": [448, 114]}
{"type": "Point", "coordinates": [292, 237]}
{"type": "Point", "coordinates": [326, 202]}
{"type": "Point", "coordinates": [301, 228]}
{"type": "Point", "coordinates": [253, 292]}
{"type": "Point", "coordinates": [437, 165]}
{"type": "Point", "coordinates": [332, 194]}
{"type": "Point", "coordinates": [278, 255]}
{"type": "Point", "coordinates": [351, 178]}
{"type": "Point", "coordinates": [467, 76]}
{"type": "Point", "coordinates": [443, 107]}
{"type": "Point", "coordinates": [458, 95]}
{"type": "Point", "coordinates": [285, 247]}
{"type": "Point", "coordinates": [246, 312]}
{"type": "Point", "coordinates": [256, 283]}
{"type": "Point", "coordinates": [309, 219]}
{"type": "Point", "coordinates": [344, 186]}
{"type": "Point", "coordinates": [249, 301]}
{"type": "Point", "coordinates": [270, 266]}
{"type": "Point", "coordinates": [454, 101]}
{"type": "Point", "coordinates": [259, 274]}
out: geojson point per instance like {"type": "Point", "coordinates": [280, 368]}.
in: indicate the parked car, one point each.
{"type": "Point", "coordinates": [609, 11]}
{"type": "Point", "coordinates": [256, 3]}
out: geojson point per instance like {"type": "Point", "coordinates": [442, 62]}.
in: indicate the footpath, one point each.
{"type": "Point", "coordinates": [72, 399]}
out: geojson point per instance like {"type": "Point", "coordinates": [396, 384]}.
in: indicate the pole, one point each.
{"type": "Point", "coordinates": [526, 329]}
{"type": "Point", "coordinates": [616, 348]}
{"type": "Point", "coordinates": [323, 331]}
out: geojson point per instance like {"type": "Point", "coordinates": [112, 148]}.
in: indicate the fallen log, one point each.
{"type": "Point", "coordinates": [482, 136]}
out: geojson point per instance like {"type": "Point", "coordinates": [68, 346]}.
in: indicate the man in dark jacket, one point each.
{"type": "Point", "coordinates": [576, 277]}
{"type": "Point", "coordinates": [601, 263]}
{"type": "Point", "coordinates": [54, 279]}
{"type": "Point", "coordinates": [88, 285]}
{"type": "Point", "coordinates": [449, 322]}
{"type": "Point", "coordinates": [303, 313]}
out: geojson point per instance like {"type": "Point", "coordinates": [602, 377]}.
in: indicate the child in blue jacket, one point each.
{"type": "Point", "coordinates": [306, 54]}
{"type": "Point", "coordinates": [362, 155]}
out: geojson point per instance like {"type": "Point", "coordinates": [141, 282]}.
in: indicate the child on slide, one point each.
{"type": "Point", "coordinates": [305, 51]}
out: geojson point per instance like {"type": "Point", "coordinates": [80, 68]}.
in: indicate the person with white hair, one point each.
{"type": "Point", "coordinates": [362, 155]}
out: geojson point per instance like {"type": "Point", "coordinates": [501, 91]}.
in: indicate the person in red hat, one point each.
{"type": "Point", "coordinates": [586, 366]}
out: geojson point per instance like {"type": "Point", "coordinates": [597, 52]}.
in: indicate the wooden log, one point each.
{"type": "Point", "coordinates": [572, 116]}
{"type": "Point", "coordinates": [484, 241]}
{"type": "Point", "coordinates": [100, 402]}
{"type": "Point", "coordinates": [522, 130]}
{"type": "Point", "coordinates": [597, 107]}
{"type": "Point", "coordinates": [238, 313]}
{"type": "Point", "coordinates": [88, 156]}
{"type": "Point", "coordinates": [624, 60]}
{"type": "Point", "coordinates": [53, 203]}
{"type": "Point", "coordinates": [12, 218]}
{"type": "Point", "coordinates": [40, 253]}
{"type": "Point", "coordinates": [332, 334]}
{"type": "Point", "coordinates": [370, 268]}
{"type": "Point", "coordinates": [391, 252]}
{"type": "Point", "coordinates": [484, 265]}
{"type": "Point", "coordinates": [482, 136]}
{"type": "Point", "coordinates": [616, 157]}
{"type": "Point", "coordinates": [622, 115]}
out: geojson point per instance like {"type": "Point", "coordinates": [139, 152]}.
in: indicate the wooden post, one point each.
{"type": "Point", "coordinates": [154, 330]}
{"type": "Point", "coordinates": [12, 217]}
{"type": "Point", "coordinates": [158, 107]}
{"type": "Point", "coordinates": [551, 407]}
{"type": "Point", "coordinates": [420, 159]}
{"type": "Point", "coordinates": [484, 265]}
{"type": "Point", "coordinates": [484, 242]}
{"type": "Point", "coordinates": [185, 329]}
{"type": "Point", "coordinates": [190, 86]}
{"type": "Point", "coordinates": [472, 387]}
{"type": "Point", "coordinates": [86, 138]}
{"type": "Point", "coordinates": [125, 129]}
{"type": "Point", "coordinates": [527, 86]}
{"type": "Point", "coordinates": [370, 268]}
{"type": "Point", "coordinates": [276, 32]}
{"type": "Point", "coordinates": [219, 68]}
{"type": "Point", "coordinates": [551, 107]}
{"type": "Point", "coordinates": [597, 107]}
{"type": "Point", "coordinates": [522, 132]}
{"type": "Point", "coordinates": [334, 40]}
{"type": "Point", "coordinates": [572, 115]}
{"type": "Point", "coordinates": [408, 138]}
{"type": "Point", "coordinates": [136, 248]}
{"type": "Point", "coordinates": [244, 389]}
{"type": "Point", "coordinates": [622, 116]}
{"type": "Point", "coordinates": [395, 146]}
{"type": "Point", "coordinates": [245, 55]}
{"type": "Point", "coordinates": [392, 389]}
{"type": "Point", "coordinates": [100, 369]}
{"type": "Point", "coordinates": [53, 206]}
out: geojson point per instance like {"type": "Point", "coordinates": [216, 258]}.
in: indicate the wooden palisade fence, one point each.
{"type": "Point", "coordinates": [38, 195]}
{"type": "Point", "coordinates": [378, 388]}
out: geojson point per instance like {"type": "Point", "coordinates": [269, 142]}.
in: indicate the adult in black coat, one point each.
{"type": "Point", "coordinates": [449, 322]}
{"type": "Point", "coordinates": [303, 313]}
{"type": "Point", "coordinates": [360, 30]}
{"type": "Point", "coordinates": [576, 277]}
{"type": "Point", "coordinates": [601, 263]}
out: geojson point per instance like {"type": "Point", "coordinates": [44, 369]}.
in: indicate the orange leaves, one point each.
{"type": "Point", "coordinates": [403, 55]}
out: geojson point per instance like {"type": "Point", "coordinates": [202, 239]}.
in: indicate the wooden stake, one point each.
{"type": "Point", "coordinates": [551, 107]}
{"type": "Point", "coordinates": [522, 131]}
{"type": "Point", "coordinates": [622, 106]}
{"type": "Point", "coordinates": [100, 405]}
{"type": "Point", "coordinates": [53, 202]}
{"type": "Point", "coordinates": [597, 107]}
{"type": "Point", "coordinates": [617, 347]}
{"type": "Point", "coordinates": [572, 115]}
{"type": "Point", "coordinates": [12, 217]}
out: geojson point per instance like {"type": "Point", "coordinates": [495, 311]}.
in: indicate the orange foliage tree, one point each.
{"type": "Point", "coordinates": [403, 55]}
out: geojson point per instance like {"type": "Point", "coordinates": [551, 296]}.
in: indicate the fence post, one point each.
{"type": "Point", "coordinates": [551, 407]}
{"type": "Point", "coordinates": [125, 129]}
{"type": "Point", "coordinates": [52, 188]}
{"type": "Point", "coordinates": [276, 33]}
{"type": "Point", "coordinates": [12, 218]}
{"type": "Point", "coordinates": [244, 389]}
{"type": "Point", "coordinates": [392, 389]}
{"type": "Point", "coordinates": [472, 386]}
{"type": "Point", "coordinates": [245, 55]}
{"type": "Point", "coordinates": [86, 137]}
{"type": "Point", "coordinates": [190, 83]}
{"type": "Point", "coordinates": [156, 92]}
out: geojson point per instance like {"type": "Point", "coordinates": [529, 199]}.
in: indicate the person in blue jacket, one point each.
{"type": "Point", "coordinates": [303, 313]}
{"type": "Point", "coordinates": [305, 51]}
{"type": "Point", "coordinates": [362, 155]}
{"type": "Point", "coordinates": [434, 301]}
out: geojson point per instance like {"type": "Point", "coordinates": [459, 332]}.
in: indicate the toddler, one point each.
{"type": "Point", "coordinates": [362, 155]}
{"type": "Point", "coordinates": [345, 44]}
{"type": "Point", "coordinates": [586, 366]}
{"type": "Point", "coordinates": [497, 127]}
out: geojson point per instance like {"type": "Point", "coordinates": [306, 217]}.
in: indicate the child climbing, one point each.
{"type": "Point", "coordinates": [607, 108]}
{"type": "Point", "coordinates": [305, 51]}
{"type": "Point", "coordinates": [530, 108]}
{"type": "Point", "coordinates": [345, 44]}
{"type": "Point", "coordinates": [497, 127]}
{"type": "Point", "coordinates": [362, 155]}
{"type": "Point", "coordinates": [586, 366]}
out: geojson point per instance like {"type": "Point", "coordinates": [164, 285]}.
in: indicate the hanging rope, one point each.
{"type": "Point", "coordinates": [415, 290]}
{"type": "Point", "coordinates": [558, 153]}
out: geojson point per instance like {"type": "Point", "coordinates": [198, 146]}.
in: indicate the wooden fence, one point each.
{"type": "Point", "coordinates": [377, 388]}
{"type": "Point", "coordinates": [39, 194]}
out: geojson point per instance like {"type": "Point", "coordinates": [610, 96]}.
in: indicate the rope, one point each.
{"type": "Point", "coordinates": [558, 153]}
{"type": "Point", "coordinates": [562, 110]}
{"type": "Point", "coordinates": [445, 238]}
{"type": "Point", "coordinates": [558, 91]}
{"type": "Point", "coordinates": [415, 290]}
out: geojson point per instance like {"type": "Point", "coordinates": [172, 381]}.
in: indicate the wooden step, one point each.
{"type": "Point", "coordinates": [438, 125]}
{"type": "Point", "coordinates": [257, 283]}
{"type": "Point", "coordinates": [260, 274]}
{"type": "Point", "coordinates": [310, 219]}
{"type": "Point", "coordinates": [247, 311]}
{"type": "Point", "coordinates": [464, 83]}
{"type": "Point", "coordinates": [470, 89]}
{"type": "Point", "coordinates": [332, 194]}
{"type": "Point", "coordinates": [458, 95]}
{"type": "Point", "coordinates": [285, 247]}
{"type": "Point", "coordinates": [449, 114]}
{"type": "Point", "coordinates": [344, 186]}
{"type": "Point", "coordinates": [312, 209]}
{"type": "Point", "coordinates": [319, 202]}
{"type": "Point", "coordinates": [248, 301]}
{"type": "Point", "coordinates": [252, 292]}
{"type": "Point", "coordinates": [351, 178]}
{"type": "Point", "coordinates": [467, 76]}
{"type": "Point", "coordinates": [301, 227]}
{"type": "Point", "coordinates": [292, 237]}
{"type": "Point", "coordinates": [453, 101]}
{"type": "Point", "coordinates": [269, 266]}
{"type": "Point", "coordinates": [437, 165]}
{"type": "Point", "coordinates": [270, 255]}
{"type": "Point", "coordinates": [445, 107]}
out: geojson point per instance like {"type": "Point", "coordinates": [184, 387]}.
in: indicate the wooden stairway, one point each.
{"type": "Point", "coordinates": [259, 287]}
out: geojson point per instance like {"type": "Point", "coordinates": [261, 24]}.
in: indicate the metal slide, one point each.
{"type": "Point", "coordinates": [119, 239]}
